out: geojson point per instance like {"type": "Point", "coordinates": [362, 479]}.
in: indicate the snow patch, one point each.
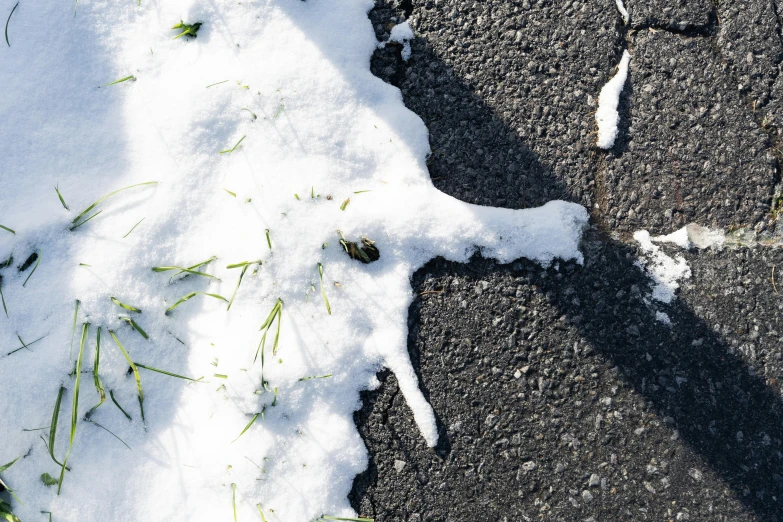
{"type": "Point", "coordinates": [606, 117]}
{"type": "Point", "coordinates": [693, 235]}
{"type": "Point", "coordinates": [401, 34]}
{"type": "Point", "coordinates": [665, 271]}
{"type": "Point", "coordinates": [623, 11]}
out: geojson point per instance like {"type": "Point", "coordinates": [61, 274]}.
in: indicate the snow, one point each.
{"type": "Point", "coordinates": [623, 11]}
{"type": "Point", "coordinates": [402, 34]}
{"type": "Point", "coordinates": [314, 120]}
{"type": "Point", "coordinates": [666, 272]}
{"type": "Point", "coordinates": [606, 117]}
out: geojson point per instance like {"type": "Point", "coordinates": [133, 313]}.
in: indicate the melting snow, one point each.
{"type": "Point", "coordinates": [606, 117]}
{"type": "Point", "coordinates": [665, 271]}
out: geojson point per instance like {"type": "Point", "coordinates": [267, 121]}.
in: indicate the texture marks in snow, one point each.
{"type": "Point", "coordinates": [293, 79]}
{"type": "Point", "coordinates": [665, 271]}
{"type": "Point", "coordinates": [606, 117]}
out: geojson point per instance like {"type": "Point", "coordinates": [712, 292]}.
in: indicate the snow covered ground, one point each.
{"type": "Point", "coordinates": [323, 146]}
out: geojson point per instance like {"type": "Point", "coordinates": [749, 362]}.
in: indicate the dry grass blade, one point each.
{"type": "Point", "coordinates": [133, 228]}
{"type": "Point", "coordinates": [111, 394]}
{"type": "Point", "coordinates": [232, 149]}
{"type": "Point", "coordinates": [62, 200]}
{"type": "Point", "coordinates": [75, 402]}
{"type": "Point", "coordinates": [98, 202]}
{"type": "Point", "coordinates": [323, 292]}
{"type": "Point", "coordinates": [135, 374]}
{"type": "Point", "coordinates": [135, 326]}
{"type": "Point", "coordinates": [37, 262]}
{"type": "Point", "coordinates": [241, 275]}
{"type": "Point", "coordinates": [191, 295]}
{"type": "Point", "coordinates": [126, 307]}
{"type": "Point", "coordinates": [8, 229]}
{"type": "Point", "coordinates": [95, 377]}
{"type": "Point", "coordinates": [259, 414]}
{"type": "Point", "coordinates": [109, 432]}
{"type": "Point", "coordinates": [164, 372]}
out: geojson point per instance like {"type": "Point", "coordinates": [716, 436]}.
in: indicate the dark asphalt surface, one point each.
{"type": "Point", "coordinates": [559, 396]}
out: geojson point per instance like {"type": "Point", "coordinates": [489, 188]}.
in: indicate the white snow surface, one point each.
{"type": "Point", "coordinates": [623, 10]}
{"type": "Point", "coordinates": [324, 124]}
{"type": "Point", "coordinates": [606, 117]}
{"type": "Point", "coordinates": [666, 272]}
{"type": "Point", "coordinates": [694, 235]}
{"type": "Point", "coordinates": [403, 34]}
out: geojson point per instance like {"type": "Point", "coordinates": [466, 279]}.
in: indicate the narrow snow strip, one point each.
{"type": "Point", "coordinates": [666, 272]}
{"type": "Point", "coordinates": [623, 11]}
{"type": "Point", "coordinates": [267, 134]}
{"type": "Point", "coordinates": [693, 235]}
{"type": "Point", "coordinates": [606, 117]}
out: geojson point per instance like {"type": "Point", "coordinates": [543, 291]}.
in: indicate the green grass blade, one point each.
{"type": "Point", "coordinates": [135, 374]}
{"type": "Point", "coordinates": [218, 83]}
{"type": "Point", "coordinates": [74, 227]}
{"type": "Point", "coordinates": [85, 211]}
{"type": "Point", "coordinates": [267, 324]}
{"type": "Point", "coordinates": [181, 270]}
{"type": "Point", "coordinates": [241, 275]}
{"type": "Point", "coordinates": [62, 200]}
{"type": "Point", "coordinates": [234, 499]}
{"type": "Point", "coordinates": [6, 24]}
{"type": "Point", "coordinates": [37, 262]}
{"type": "Point", "coordinates": [263, 518]}
{"type": "Point", "coordinates": [345, 204]}
{"type": "Point", "coordinates": [231, 193]}
{"type": "Point", "coordinates": [232, 149]}
{"type": "Point", "coordinates": [133, 228]}
{"type": "Point", "coordinates": [135, 326]}
{"type": "Point", "coordinates": [244, 263]}
{"type": "Point", "coordinates": [75, 402]}
{"type": "Point", "coordinates": [73, 329]}
{"type": "Point", "coordinates": [109, 432]}
{"type": "Point", "coordinates": [96, 378]}
{"type": "Point", "coordinates": [268, 239]}
{"type": "Point", "coordinates": [126, 307]}
{"type": "Point", "coordinates": [191, 295]}
{"type": "Point", "coordinates": [111, 394]}
{"type": "Point", "coordinates": [6, 466]}
{"type": "Point", "coordinates": [261, 414]}
{"type": "Point", "coordinates": [53, 425]}
{"type": "Point", "coordinates": [8, 229]}
{"type": "Point", "coordinates": [277, 333]}
{"type": "Point", "coordinates": [24, 346]}
{"type": "Point", "coordinates": [323, 291]}
{"type": "Point", "coordinates": [48, 480]}
{"type": "Point", "coordinates": [131, 77]}
{"type": "Point", "coordinates": [7, 262]}
{"type": "Point", "coordinates": [316, 377]}
{"type": "Point", "coordinates": [164, 372]}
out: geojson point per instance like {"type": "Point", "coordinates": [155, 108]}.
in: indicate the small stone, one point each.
{"type": "Point", "coordinates": [399, 465]}
{"type": "Point", "coordinates": [559, 468]}
{"type": "Point", "coordinates": [517, 374]}
{"type": "Point", "coordinates": [587, 496]}
{"type": "Point", "coordinates": [595, 480]}
{"type": "Point", "coordinates": [529, 465]}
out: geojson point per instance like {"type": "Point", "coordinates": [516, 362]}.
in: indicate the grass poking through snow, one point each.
{"type": "Point", "coordinates": [78, 218]}
{"type": "Point", "coordinates": [7, 21]}
{"type": "Point", "coordinates": [37, 262]}
{"type": "Point", "coordinates": [247, 427]}
{"type": "Point", "coordinates": [96, 378]}
{"type": "Point", "coordinates": [164, 372]}
{"type": "Point", "coordinates": [8, 229]}
{"type": "Point", "coordinates": [126, 79]}
{"type": "Point", "coordinates": [276, 313]}
{"type": "Point", "coordinates": [111, 394]}
{"type": "Point", "coordinates": [53, 426]}
{"type": "Point", "coordinates": [135, 326]}
{"type": "Point", "coordinates": [232, 149]}
{"type": "Point", "coordinates": [239, 282]}
{"type": "Point", "coordinates": [135, 374]}
{"type": "Point", "coordinates": [191, 295]}
{"type": "Point", "coordinates": [62, 200]}
{"type": "Point", "coordinates": [323, 292]}
{"type": "Point", "coordinates": [234, 499]}
{"type": "Point", "coordinates": [133, 228]}
{"type": "Point", "coordinates": [126, 307]}
{"type": "Point", "coordinates": [74, 403]}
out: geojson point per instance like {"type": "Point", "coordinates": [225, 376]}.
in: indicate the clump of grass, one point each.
{"type": "Point", "coordinates": [323, 292]}
{"type": "Point", "coordinates": [130, 78]}
{"type": "Point", "coordinates": [247, 427]}
{"type": "Point", "coordinates": [111, 394]}
{"type": "Point", "coordinates": [191, 295]}
{"type": "Point", "coordinates": [133, 228]}
{"type": "Point", "coordinates": [59, 195]}
{"type": "Point", "coordinates": [135, 374]}
{"type": "Point", "coordinates": [135, 326]}
{"type": "Point", "coordinates": [232, 149]}
{"type": "Point", "coordinates": [7, 22]}
{"type": "Point", "coordinates": [96, 378]}
{"type": "Point", "coordinates": [124, 306]}
{"type": "Point", "coordinates": [37, 262]}
{"type": "Point", "coordinates": [188, 29]}
{"type": "Point", "coordinates": [75, 403]}
{"type": "Point", "coordinates": [164, 372]}
{"type": "Point", "coordinates": [366, 253]}
{"type": "Point", "coordinates": [276, 313]}
{"type": "Point", "coordinates": [8, 229]}
{"type": "Point", "coordinates": [78, 219]}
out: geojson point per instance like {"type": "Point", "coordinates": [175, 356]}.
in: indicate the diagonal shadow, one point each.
{"type": "Point", "coordinates": [721, 410]}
